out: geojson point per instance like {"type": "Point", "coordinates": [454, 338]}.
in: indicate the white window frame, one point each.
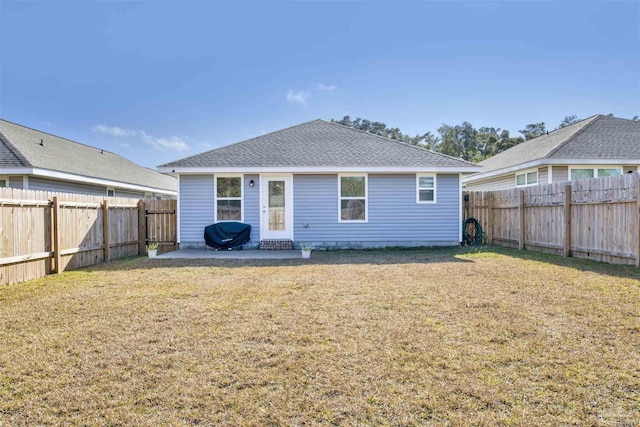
{"type": "Point", "coordinates": [595, 169]}
{"type": "Point", "coordinates": [435, 186]}
{"type": "Point", "coordinates": [366, 198]}
{"type": "Point", "coordinates": [216, 198]}
{"type": "Point", "coordinates": [525, 173]}
{"type": "Point", "coordinates": [111, 189]}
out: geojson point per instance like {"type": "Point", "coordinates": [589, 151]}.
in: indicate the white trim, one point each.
{"type": "Point", "coordinates": [595, 169]}
{"type": "Point", "coordinates": [25, 182]}
{"type": "Point", "coordinates": [526, 172]}
{"type": "Point", "coordinates": [323, 169]}
{"type": "Point", "coordinates": [63, 176]}
{"type": "Point", "coordinates": [435, 186]}
{"type": "Point", "coordinates": [288, 194]}
{"type": "Point", "coordinates": [215, 196]}
{"type": "Point", "coordinates": [550, 174]}
{"type": "Point", "coordinates": [366, 198]}
{"type": "Point", "coordinates": [178, 212]}
{"type": "Point", "coordinates": [110, 189]}
{"type": "Point", "coordinates": [543, 162]}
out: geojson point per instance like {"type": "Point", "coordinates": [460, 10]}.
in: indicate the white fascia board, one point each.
{"type": "Point", "coordinates": [16, 171]}
{"type": "Point", "coordinates": [551, 162]}
{"type": "Point", "coordinates": [311, 170]}
{"type": "Point", "coordinates": [63, 176]}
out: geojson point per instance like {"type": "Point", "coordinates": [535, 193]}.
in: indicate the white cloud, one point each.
{"type": "Point", "coordinates": [113, 130]}
{"type": "Point", "coordinates": [297, 97]}
{"type": "Point", "coordinates": [171, 143]}
{"type": "Point", "coordinates": [323, 86]}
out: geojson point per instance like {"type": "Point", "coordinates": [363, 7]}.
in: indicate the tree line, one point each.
{"type": "Point", "coordinates": [463, 140]}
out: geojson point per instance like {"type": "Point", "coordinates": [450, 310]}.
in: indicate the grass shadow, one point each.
{"type": "Point", "coordinates": [580, 264]}
{"type": "Point", "coordinates": [332, 257]}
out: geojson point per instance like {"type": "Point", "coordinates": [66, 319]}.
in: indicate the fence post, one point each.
{"type": "Point", "coordinates": [142, 228]}
{"type": "Point", "coordinates": [490, 219]}
{"type": "Point", "coordinates": [521, 215]}
{"type": "Point", "coordinates": [55, 238]}
{"type": "Point", "coordinates": [567, 221]}
{"type": "Point", "coordinates": [105, 228]}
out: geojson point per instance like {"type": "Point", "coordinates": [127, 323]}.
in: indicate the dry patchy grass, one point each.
{"type": "Point", "coordinates": [428, 337]}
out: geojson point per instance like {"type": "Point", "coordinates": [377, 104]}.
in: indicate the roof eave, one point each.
{"type": "Point", "coordinates": [548, 162]}
{"type": "Point", "coordinates": [64, 176]}
{"type": "Point", "coordinates": [178, 170]}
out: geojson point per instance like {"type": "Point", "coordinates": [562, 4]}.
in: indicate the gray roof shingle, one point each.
{"type": "Point", "coordinates": [20, 147]}
{"type": "Point", "coordinates": [597, 137]}
{"type": "Point", "coordinates": [319, 143]}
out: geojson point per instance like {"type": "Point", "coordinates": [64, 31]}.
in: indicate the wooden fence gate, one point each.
{"type": "Point", "coordinates": [44, 232]}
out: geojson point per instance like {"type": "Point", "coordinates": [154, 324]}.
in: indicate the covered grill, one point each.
{"type": "Point", "coordinates": [227, 235]}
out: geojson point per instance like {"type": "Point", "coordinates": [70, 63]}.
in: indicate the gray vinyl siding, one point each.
{"type": "Point", "coordinates": [197, 204]}
{"type": "Point", "coordinates": [196, 207]}
{"type": "Point", "coordinates": [15, 181]}
{"type": "Point", "coordinates": [394, 217]}
{"type": "Point", "coordinates": [251, 200]}
{"type": "Point", "coordinates": [45, 184]}
{"type": "Point", "coordinates": [560, 173]}
{"type": "Point", "coordinates": [629, 169]}
{"type": "Point", "coordinates": [502, 182]}
{"type": "Point", "coordinates": [543, 175]}
{"type": "Point", "coordinates": [120, 192]}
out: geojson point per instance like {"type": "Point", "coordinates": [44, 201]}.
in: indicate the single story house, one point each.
{"type": "Point", "coordinates": [594, 147]}
{"type": "Point", "coordinates": [35, 160]}
{"type": "Point", "coordinates": [323, 185]}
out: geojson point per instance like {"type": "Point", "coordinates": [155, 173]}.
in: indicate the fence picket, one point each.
{"type": "Point", "coordinates": [596, 218]}
{"type": "Point", "coordinates": [74, 237]}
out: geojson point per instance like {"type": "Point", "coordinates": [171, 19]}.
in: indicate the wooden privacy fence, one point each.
{"type": "Point", "coordinates": [44, 232]}
{"type": "Point", "coordinates": [589, 218]}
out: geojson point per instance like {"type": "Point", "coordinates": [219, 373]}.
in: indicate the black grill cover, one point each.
{"type": "Point", "coordinates": [227, 235]}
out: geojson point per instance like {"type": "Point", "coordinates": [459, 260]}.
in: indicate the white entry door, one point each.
{"type": "Point", "coordinates": [276, 207]}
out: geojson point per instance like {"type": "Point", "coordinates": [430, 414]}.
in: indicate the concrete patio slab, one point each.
{"type": "Point", "coordinates": [245, 254]}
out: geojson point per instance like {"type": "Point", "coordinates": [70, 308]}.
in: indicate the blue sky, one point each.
{"type": "Point", "coordinates": [158, 81]}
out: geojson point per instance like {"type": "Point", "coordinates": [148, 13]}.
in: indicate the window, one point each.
{"type": "Point", "coordinates": [426, 188]}
{"type": "Point", "coordinates": [353, 198]}
{"type": "Point", "coordinates": [111, 192]}
{"type": "Point", "coordinates": [527, 178]}
{"type": "Point", "coordinates": [228, 198]}
{"type": "Point", "coordinates": [584, 172]}
{"type": "Point", "coordinates": [3, 182]}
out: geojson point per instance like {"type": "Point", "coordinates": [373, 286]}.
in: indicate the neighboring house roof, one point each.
{"type": "Point", "coordinates": [318, 144]}
{"type": "Point", "coordinates": [20, 148]}
{"type": "Point", "coordinates": [597, 138]}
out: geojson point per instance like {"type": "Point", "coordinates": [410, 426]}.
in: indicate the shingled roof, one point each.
{"type": "Point", "coordinates": [597, 137]}
{"type": "Point", "coordinates": [20, 147]}
{"type": "Point", "coordinates": [318, 144]}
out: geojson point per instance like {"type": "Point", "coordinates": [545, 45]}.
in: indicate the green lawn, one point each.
{"type": "Point", "coordinates": [421, 337]}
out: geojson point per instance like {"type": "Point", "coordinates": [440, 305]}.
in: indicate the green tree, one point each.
{"type": "Point", "coordinates": [568, 120]}
{"type": "Point", "coordinates": [459, 141]}
{"type": "Point", "coordinates": [533, 130]}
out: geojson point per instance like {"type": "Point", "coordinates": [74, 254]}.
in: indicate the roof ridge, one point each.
{"type": "Point", "coordinates": [239, 142]}
{"type": "Point", "coordinates": [61, 137]}
{"type": "Point", "coordinates": [398, 142]}
{"type": "Point", "coordinates": [14, 150]}
{"type": "Point", "coordinates": [592, 119]}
